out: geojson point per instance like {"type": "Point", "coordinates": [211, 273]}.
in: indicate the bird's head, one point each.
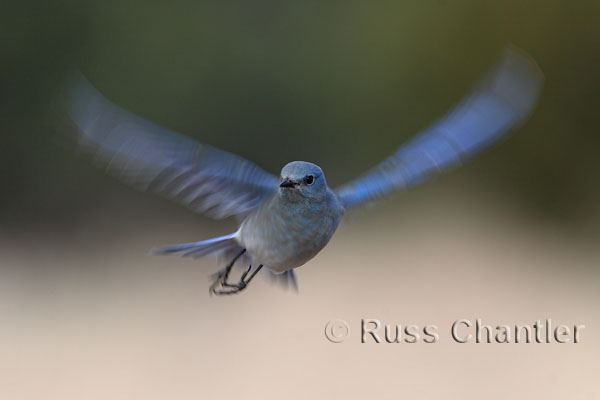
{"type": "Point", "coordinates": [300, 179]}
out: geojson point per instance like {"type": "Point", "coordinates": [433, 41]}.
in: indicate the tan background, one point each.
{"type": "Point", "coordinates": [97, 318]}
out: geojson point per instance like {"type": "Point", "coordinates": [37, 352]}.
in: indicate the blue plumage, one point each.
{"type": "Point", "coordinates": [287, 221]}
{"type": "Point", "coordinates": [500, 103]}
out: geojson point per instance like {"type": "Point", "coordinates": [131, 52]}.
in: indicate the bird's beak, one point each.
{"type": "Point", "coordinates": [287, 183]}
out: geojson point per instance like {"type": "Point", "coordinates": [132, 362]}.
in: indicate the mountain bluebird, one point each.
{"type": "Point", "coordinates": [287, 220]}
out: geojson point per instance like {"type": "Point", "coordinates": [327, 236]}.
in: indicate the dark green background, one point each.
{"type": "Point", "coordinates": [338, 83]}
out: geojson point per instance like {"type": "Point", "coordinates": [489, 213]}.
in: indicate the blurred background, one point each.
{"type": "Point", "coordinates": [512, 236]}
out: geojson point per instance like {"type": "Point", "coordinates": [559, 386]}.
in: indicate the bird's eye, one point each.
{"type": "Point", "coordinates": [309, 179]}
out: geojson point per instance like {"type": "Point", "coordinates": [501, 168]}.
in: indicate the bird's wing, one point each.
{"type": "Point", "coordinates": [152, 158]}
{"type": "Point", "coordinates": [502, 101]}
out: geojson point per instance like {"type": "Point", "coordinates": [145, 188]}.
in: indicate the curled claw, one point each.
{"type": "Point", "coordinates": [221, 282]}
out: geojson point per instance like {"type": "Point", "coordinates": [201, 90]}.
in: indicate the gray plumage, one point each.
{"type": "Point", "coordinates": [286, 221]}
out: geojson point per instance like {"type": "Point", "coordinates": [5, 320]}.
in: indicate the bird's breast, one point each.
{"type": "Point", "coordinates": [282, 235]}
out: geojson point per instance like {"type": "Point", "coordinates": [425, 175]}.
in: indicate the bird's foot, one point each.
{"type": "Point", "coordinates": [221, 286]}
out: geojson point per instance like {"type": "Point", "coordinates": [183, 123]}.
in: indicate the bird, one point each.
{"type": "Point", "coordinates": [287, 220]}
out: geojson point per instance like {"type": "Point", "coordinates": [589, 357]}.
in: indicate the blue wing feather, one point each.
{"type": "Point", "coordinates": [500, 103]}
{"type": "Point", "coordinates": [155, 159]}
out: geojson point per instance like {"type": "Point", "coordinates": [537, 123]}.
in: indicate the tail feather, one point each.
{"type": "Point", "coordinates": [286, 280]}
{"type": "Point", "coordinates": [227, 247]}
{"type": "Point", "coordinates": [218, 245]}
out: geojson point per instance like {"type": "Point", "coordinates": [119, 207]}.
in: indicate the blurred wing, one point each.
{"type": "Point", "coordinates": [155, 159]}
{"type": "Point", "coordinates": [501, 102]}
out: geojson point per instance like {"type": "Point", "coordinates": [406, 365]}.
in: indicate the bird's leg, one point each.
{"type": "Point", "coordinates": [246, 272]}
{"type": "Point", "coordinates": [238, 287]}
{"type": "Point", "coordinates": [251, 276]}
{"type": "Point", "coordinates": [222, 275]}
{"type": "Point", "coordinates": [225, 283]}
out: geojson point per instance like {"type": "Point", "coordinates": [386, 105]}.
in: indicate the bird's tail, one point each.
{"type": "Point", "coordinates": [286, 280]}
{"type": "Point", "coordinates": [226, 247]}
{"type": "Point", "coordinates": [215, 246]}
